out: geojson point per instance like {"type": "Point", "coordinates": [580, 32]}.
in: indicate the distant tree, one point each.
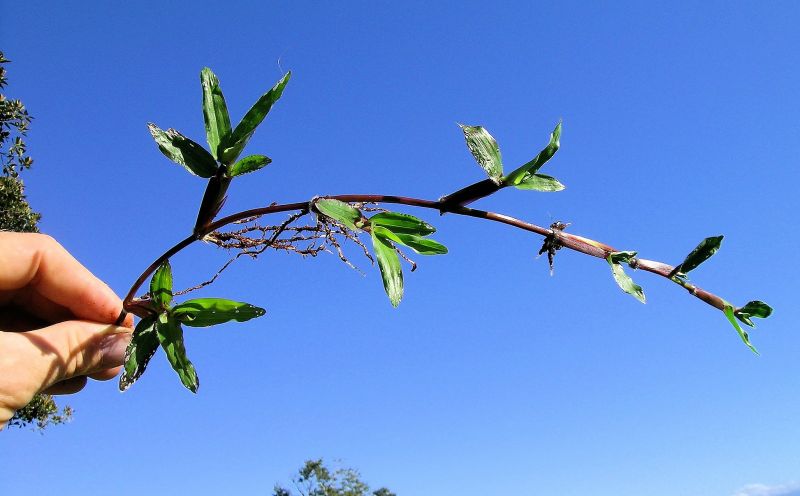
{"type": "Point", "coordinates": [41, 412]}
{"type": "Point", "coordinates": [315, 479]}
{"type": "Point", "coordinates": [14, 123]}
{"type": "Point", "coordinates": [16, 215]}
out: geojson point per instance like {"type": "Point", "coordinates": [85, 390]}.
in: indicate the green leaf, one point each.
{"type": "Point", "coordinates": [249, 164]}
{"type": "Point", "coordinates": [389, 265]}
{"type": "Point", "coordinates": [744, 318]}
{"type": "Point", "coordinates": [161, 286]}
{"type": "Point", "coordinates": [623, 280]}
{"type": "Point", "coordinates": [204, 312]}
{"type": "Point", "coordinates": [215, 112]}
{"type": "Point", "coordinates": [622, 256]}
{"type": "Point", "coordinates": [485, 150]}
{"type": "Point", "coordinates": [755, 308]}
{"type": "Point", "coordinates": [184, 151]}
{"type": "Point", "coordinates": [402, 223]}
{"type": "Point", "coordinates": [423, 246]}
{"type": "Point", "coordinates": [170, 335]}
{"type": "Point", "coordinates": [729, 313]}
{"type": "Point", "coordinates": [540, 182]}
{"type": "Point", "coordinates": [339, 211]}
{"type": "Point", "coordinates": [530, 168]}
{"type": "Point", "coordinates": [232, 146]}
{"type": "Point", "coordinates": [143, 345]}
{"type": "Point", "coordinates": [705, 250]}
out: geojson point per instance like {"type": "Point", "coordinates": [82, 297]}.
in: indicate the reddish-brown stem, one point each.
{"type": "Point", "coordinates": [471, 193]}
{"type": "Point", "coordinates": [571, 241]}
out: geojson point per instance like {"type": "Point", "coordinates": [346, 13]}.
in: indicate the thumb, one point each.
{"type": "Point", "coordinates": [32, 361]}
{"type": "Point", "coordinates": [74, 348]}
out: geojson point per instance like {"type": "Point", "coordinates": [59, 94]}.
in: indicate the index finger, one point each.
{"type": "Point", "coordinates": [37, 262]}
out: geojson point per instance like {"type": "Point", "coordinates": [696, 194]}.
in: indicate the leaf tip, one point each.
{"type": "Point", "coordinates": [557, 132]}
{"type": "Point", "coordinates": [730, 314]}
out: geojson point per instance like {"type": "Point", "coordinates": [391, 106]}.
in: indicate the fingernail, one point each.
{"type": "Point", "coordinates": [113, 348]}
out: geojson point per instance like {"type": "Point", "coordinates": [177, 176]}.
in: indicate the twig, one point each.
{"type": "Point", "coordinates": [565, 240]}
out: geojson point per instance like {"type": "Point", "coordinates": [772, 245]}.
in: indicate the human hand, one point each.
{"type": "Point", "coordinates": [56, 323]}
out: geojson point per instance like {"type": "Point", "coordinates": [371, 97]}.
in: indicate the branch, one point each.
{"type": "Point", "coordinates": [560, 238]}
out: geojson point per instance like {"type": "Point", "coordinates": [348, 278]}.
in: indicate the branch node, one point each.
{"type": "Point", "coordinates": [551, 242]}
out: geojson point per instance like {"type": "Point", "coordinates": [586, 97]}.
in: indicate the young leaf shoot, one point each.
{"type": "Point", "coordinates": [624, 281]}
{"type": "Point", "coordinates": [215, 111]}
{"type": "Point", "coordinates": [485, 150]}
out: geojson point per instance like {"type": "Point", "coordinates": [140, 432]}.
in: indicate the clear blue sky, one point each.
{"type": "Point", "coordinates": [680, 122]}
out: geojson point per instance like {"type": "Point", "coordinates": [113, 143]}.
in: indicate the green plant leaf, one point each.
{"type": "Point", "coordinates": [170, 335]}
{"type": "Point", "coordinates": [623, 280]}
{"type": "Point", "coordinates": [530, 168]}
{"type": "Point", "coordinates": [215, 111]}
{"type": "Point", "coordinates": [485, 150]}
{"type": "Point", "coordinates": [161, 286]}
{"type": "Point", "coordinates": [539, 182]}
{"type": "Point", "coordinates": [757, 308]}
{"type": "Point", "coordinates": [204, 312]}
{"type": "Point", "coordinates": [339, 211]}
{"type": "Point", "coordinates": [232, 146]}
{"type": "Point", "coordinates": [389, 265]}
{"type": "Point", "coordinates": [402, 223]}
{"type": "Point", "coordinates": [754, 308]}
{"type": "Point", "coordinates": [143, 345]}
{"type": "Point", "coordinates": [623, 256]}
{"type": "Point", "coordinates": [181, 150]}
{"type": "Point", "coordinates": [423, 246]}
{"type": "Point", "coordinates": [729, 313]}
{"type": "Point", "coordinates": [249, 164]}
{"type": "Point", "coordinates": [744, 318]}
{"type": "Point", "coordinates": [705, 250]}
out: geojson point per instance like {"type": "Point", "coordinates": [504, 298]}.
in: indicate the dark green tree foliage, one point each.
{"type": "Point", "coordinates": [16, 215]}
{"type": "Point", "coordinates": [315, 479]}
{"type": "Point", "coordinates": [14, 122]}
{"type": "Point", "coordinates": [40, 413]}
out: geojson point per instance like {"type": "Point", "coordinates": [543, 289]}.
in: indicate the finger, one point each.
{"type": "Point", "coordinates": [39, 262]}
{"type": "Point", "coordinates": [106, 374]}
{"type": "Point", "coordinates": [73, 348]}
{"type": "Point", "coordinates": [68, 386]}
{"type": "Point", "coordinates": [76, 384]}
{"type": "Point", "coordinates": [19, 321]}
{"type": "Point", "coordinates": [127, 321]}
{"type": "Point", "coordinates": [31, 301]}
